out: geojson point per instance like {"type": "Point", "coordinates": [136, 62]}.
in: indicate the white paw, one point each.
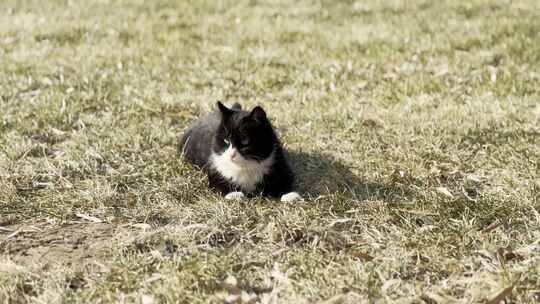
{"type": "Point", "coordinates": [291, 197]}
{"type": "Point", "coordinates": [235, 195]}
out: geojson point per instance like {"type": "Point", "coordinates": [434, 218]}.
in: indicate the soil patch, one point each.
{"type": "Point", "coordinates": [69, 244]}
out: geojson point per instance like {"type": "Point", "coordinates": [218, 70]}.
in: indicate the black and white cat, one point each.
{"type": "Point", "coordinates": [240, 153]}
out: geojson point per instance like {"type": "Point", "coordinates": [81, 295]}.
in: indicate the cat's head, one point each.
{"type": "Point", "coordinates": [244, 136]}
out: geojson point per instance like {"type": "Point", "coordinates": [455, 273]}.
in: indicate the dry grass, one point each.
{"type": "Point", "coordinates": [413, 125]}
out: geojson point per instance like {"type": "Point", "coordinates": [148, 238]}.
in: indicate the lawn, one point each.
{"type": "Point", "coordinates": [413, 128]}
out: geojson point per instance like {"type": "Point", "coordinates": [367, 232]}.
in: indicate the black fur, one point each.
{"type": "Point", "coordinates": [251, 133]}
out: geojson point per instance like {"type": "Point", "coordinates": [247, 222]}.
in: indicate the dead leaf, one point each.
{"type": "Point", "coordinates": [473, 178]}
{"type": "Point", "coordinates": [153, 278]}
{"type": "Point", "coordinates": [501, 296]}
{"type": "Point", "coordinates": [230, 281]}
{"type": "Point", "coordinates": [57, 132]}
{"type": "Point", "coordinates": [441, 70]}
{"type": "Point", "coordinates": [361, 85]}
{"type": "Point", "coordinates": [231, 284]}
{"type": "Point", "coordinates": [337, 299]}
{"type": "Point", "coordinates": [13, 234]}
{"type": "Point", "coordinates": [142, 226]}
{"type": "Point", "coordinates": [146, 299]}
{"type": "Point", "coordinates": [88, 218]}
{"type": "Point", "coordinates": [444, 191]}
{"type": "Point", "coordinates": [492, 227]}
{"type": "Point", "coordinates": [232, 298]}
{"type": "Point", "coordinates": [5, 229]}
{"type": "Point", "coordinates": [248, 298]}
{"type": "Point", "coordinates": [339, 221]}
{"type": "Point", "coordinates": [492, 73]}
{"type": "Point", "coordinates": [28, 229]}
{"type": "Point", "coordinates": [332, 87]}
{"type": "Point", "coordinates": [41, 185]}
{"type": "Point", "coordinates": [362, 255]}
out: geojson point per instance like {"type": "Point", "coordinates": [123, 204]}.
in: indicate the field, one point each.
{"type": "Point", "coordinates": [413, 127]}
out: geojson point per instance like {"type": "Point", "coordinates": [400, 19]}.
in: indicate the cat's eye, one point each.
{"type": "Point", "coordinates": [226, 141]}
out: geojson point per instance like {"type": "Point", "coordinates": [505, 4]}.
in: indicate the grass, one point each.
{"type": "Point", "coordinates": [413, 127]}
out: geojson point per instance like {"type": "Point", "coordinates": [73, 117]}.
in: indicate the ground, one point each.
{"type": "Point", "coordinates": [413, 127]}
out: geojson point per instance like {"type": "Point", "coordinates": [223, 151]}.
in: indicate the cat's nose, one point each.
{"type": "Point", "coordinates": [233, 154]}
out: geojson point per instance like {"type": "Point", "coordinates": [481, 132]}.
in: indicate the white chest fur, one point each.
{"type": "Point", "coordinates": [242, 172]}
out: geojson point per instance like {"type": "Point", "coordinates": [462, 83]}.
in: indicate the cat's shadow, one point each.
{"type": "Point", "coordinates": [320, 174]}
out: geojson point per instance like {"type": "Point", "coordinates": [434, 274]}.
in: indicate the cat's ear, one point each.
{"type": "Point", "coordinates": [258, 114]}
{"type": "Point", "coordinates": [225, 112]}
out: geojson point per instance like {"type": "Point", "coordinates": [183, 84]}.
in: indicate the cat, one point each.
{"type": "Point", "coordinates": [240, 152]}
